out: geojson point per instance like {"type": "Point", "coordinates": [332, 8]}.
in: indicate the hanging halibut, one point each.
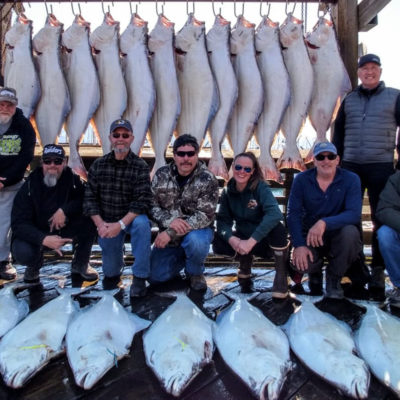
{"type": "Point", "coordinates": [83, 85]}
{"type": "Point", "coordinates": [138, 79]}
{"type": "Point", "coordinates": [19, 71]}
{"type": "Point", "coordinates": [54, 104]}
{"type": "Point", "coordinates": [301, 82]}
{"type": "Point", "coordinates": [276, 93]}
{"type": "Point", "coordinates": [104, 40]}
{"type": "Point", "coordinates": [168, 105]}
{"type": "Point", "coordinates": [221, 65]}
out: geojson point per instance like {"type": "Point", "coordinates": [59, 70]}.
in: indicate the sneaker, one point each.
{"type": "Point", "coordinates": [198, 282]}
{"type": "Point", "coordinates": [138, 287]}
{"type": "Point", "coordinates": [88, 273]}
{"type": "Point", "coordinates": [7, 271]}
{"type": "Point", "coordinates": [31, 275]}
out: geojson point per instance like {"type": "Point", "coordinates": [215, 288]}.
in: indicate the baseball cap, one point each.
{"type": "Point", "coordinates": [53, 151]}
{"type": "Point", "coordinates": [367, 58]}
{"type": "Point", "coordinates": [121, 123]}
{"type": "Point", "coordinates": [8, 94]}
{"type": "Point", "coordinates": [324, 146]}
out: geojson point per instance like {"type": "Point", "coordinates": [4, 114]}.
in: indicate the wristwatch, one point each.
{"type": "Point", "coordinates": [123, 226]}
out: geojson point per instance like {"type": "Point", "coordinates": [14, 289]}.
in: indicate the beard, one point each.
{"type": "Point", "coordinates": [5, 118]}
{"type": "Point", "coordinates": [121, 150]}
{"type": "Point", "coordinates": [50, 180]}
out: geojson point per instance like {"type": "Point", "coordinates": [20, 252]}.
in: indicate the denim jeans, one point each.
{"type": "Point", "coordinates": [389, 244]}
{"type": "Point", "coordinates": [112, 254]}
{"type": "Point", "coordinates": [190, 255]}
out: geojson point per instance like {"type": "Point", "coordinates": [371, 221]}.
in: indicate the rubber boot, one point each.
{"type": "Point", "coordinates": [86, 272]}
{"type": "Point", "coordinates": [315, 283]}
{"type": "Point", "coordinates": [333, 287]}
{"type": "Point", "coordinates": [377, 284]}
{"type": "Point", "coordinates": [7, 271]}
{"type": "Point", "coordinates": [280, 286]}
{"type": "Point", "coordinates": [245, 264]}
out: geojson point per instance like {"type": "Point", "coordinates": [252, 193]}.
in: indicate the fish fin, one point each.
{"type": "Point", "coordinates": [23, 309]}
{"type": "Point", "coordinates": [140, 323]}
{"type": "Point", "coordinates": [173, 293]}
{"type": "Point", "coordinates": [238, 295]}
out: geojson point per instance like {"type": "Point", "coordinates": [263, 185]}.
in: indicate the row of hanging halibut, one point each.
{"type": "Point", "coordinates": [231, 90]}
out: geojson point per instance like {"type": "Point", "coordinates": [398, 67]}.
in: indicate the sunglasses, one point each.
{"type": "Point", "coordinates": [55, 161]}
{"type": "Point", "coordinates": [321, 157]}
{"type": "Point", "coordinates": [117, 135]}
{"type": "Point", "coordinates": [190, 153]}
{"type": "Point", "coordinates": [239, 167]}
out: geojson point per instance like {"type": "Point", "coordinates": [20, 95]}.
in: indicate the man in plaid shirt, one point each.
{"type": "Point", "coordinates": [117, 198]}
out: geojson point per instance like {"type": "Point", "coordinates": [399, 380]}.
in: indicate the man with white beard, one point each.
{"type": "Point", "coordinates": [17, 143]}
{"type": "Point", "coordinates": [47, 214]}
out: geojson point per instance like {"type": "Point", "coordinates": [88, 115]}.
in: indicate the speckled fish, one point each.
{"type": "Point", "coordinates": [19, 63]}
{"type": "Point", "coordinates": [113, 100]}
{"type": "Point", "coordinates": [326, 346]}
{"type": "Point", "coordinates": [331, 80]}
{"type": "Point", "coordinates": [250, 98]}
{"type": "Point", "coordinates": [36, 340]}
{"type": "Point", "coordinates": [378, 343]}
{"type": "Point", "coordinates": [98, 337]}
{"type": "Point", "coordinates": [138, 78]}
{"type": "Point", "coordinates": [253, 347]}
{"type": "Point", "coordinates": [83, 85]}
{"type": "Point", "coordinates": [199, 96]}
{"type": "Point", "coordinates": [54, 104]}
{"type": "Point", "coordinates": [276, 93]}
{"type": "Point", "coordinates": [219, 55]}
{"type": "Point", "coordinates": [179, 344]}
{"type": "Point", "coordinates": [301, 82]}
{"type": "Point", "coordinates": [168, 103]}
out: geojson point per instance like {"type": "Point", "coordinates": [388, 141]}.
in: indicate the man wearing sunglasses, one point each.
{"type": "Point", "coordinates": [324, 211]}
{"type": "Point", "coordinates": [185, 198]}
{"type": "Point", "coordinates": [47, 214]}
{"type": "Point", "coordinates": [17, 142]}
{"type": "Point", "coordinates": [117, 198]}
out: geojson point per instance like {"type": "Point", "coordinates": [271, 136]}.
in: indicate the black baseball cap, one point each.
{"type": "Point", "coordinates": [121, 123]}
{"type": "Point", "coordinates": [367, 58]}
{"type": "Point", "coordinates": [53, 151]}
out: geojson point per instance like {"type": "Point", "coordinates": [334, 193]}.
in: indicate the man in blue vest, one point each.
{"type": "Point", "coordinates": [365, 136]}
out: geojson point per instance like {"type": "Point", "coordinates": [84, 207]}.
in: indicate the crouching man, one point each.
{"type": "Point", "coordinates": [47, 214]}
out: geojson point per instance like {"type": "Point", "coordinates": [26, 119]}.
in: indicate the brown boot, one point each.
{"type": "Point", "coordinates": [280, 286]}
{"type": "Point", "coordinates": [86, 272]}
{"type": "Point", "coordinates": [7, 271]}
{"type": "Point", "coordinates": [245, 264]}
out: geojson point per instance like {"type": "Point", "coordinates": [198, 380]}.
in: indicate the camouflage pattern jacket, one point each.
{"type": "Point", "coordinates": [195, 202]}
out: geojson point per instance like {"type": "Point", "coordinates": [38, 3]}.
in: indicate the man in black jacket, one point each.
{"type": "Point", "coordinates": [47, 214]}
{"type": "Point", "coordinates": [17, 142]}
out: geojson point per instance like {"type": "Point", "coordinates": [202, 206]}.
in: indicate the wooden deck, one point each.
{"type": "Point", "coordinates": [132, 379]}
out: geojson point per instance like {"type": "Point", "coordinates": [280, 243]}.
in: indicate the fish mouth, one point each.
{"type": "Point", "coordinates": [311, 45]}
{"type": "Point", "coordinates": [179, 51]}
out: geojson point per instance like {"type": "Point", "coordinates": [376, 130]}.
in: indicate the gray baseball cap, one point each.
{"type": "Point", "coordinates": [8, 94]}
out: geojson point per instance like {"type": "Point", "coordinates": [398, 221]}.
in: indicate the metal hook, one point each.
{"type": "Point", "coordinates": [269, 9]}
{"type": "Point", "coordinates": [47, 10]}
{"type": "Point", "coordinates": [162, 8]}
{"type": "Point", "coordinates": [108, 7]}
{"type": "Point", "coordinates": [73, 11]}
{"type": "Point", "coordinates": [214, 8]}
{"type": "Point", "coordinates": [286, 8]}
{"type": "Point", "coordinates": [323, 9]}
{"type": "Point", "coordinates": [234, 8]}
{"type": "Point", "coordinates": [187, 7]}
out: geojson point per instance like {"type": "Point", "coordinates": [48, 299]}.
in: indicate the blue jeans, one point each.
{"type": "Point", "coordinates": [389, 244]}
{"type": "Point", "coordinates": [112, 254]}
{"type": "Point", "coordinates": [190, 254]}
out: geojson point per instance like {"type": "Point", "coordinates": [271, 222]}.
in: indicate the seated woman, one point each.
{"type": "Point", "coordinates": [247, 202]}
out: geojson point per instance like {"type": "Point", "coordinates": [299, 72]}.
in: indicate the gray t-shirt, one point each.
{"type": "Point", "coordinates": [4, 127]}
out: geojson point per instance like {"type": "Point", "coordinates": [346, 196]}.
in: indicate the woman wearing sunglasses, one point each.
{"type": "Point", "coordinates": [248, 203]}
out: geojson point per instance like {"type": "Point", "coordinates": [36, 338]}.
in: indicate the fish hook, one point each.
{"type": "Point", "coordinates": [323, 9]}
{"type": "Point", "coordinates": [162, 8]}
{"type": "Point", "coordinates": [215, 14]}
{"type": "Point", "coordinates": [286, 8]}
{"type": "Point", "coordinates": [73, 11]}
{"type": "Point", "coordinates": [187, 7]}
{"type": "Point", "coordinates": [234, 8]}
{"type": "Point", "coordinates": [102, 7]}
{"type": "Point", "coordinates": [268, 9]}
{"type": "Point", "coordinates": [47, 10]}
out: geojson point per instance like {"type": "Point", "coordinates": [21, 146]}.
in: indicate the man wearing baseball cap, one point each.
{"type": "Point", "coordinates": [47, 214]}
{"type": "Point", "coordinates": [324, 211]}
{"type": "Point", "coordinates": [17, 143]}
{"type": "Point", "coordinates": [365, 136]}
{"type": "Point", "coordinates": [117, 198]}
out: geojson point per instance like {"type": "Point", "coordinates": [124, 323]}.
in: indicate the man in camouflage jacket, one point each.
{"type": "Point", "coordinates": [185, 198]}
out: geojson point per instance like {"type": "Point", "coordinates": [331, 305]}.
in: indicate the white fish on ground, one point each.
{"type": "Point", "coordinates": [326, 346]}
{"type": "Point", "coordinates": [276, 93]}
{"type": "Point", "coordinates": [300, 72]}
{"type": "Point", "coordinates": [179, 344]}
{"type": "Point", "coordinates": [19, 63]}
{"type": "Point", "coordinates": [36, 340]}
{"type": "Point", "coordinates": [331, 80]}
{"type": "Point", "coordinates": [253, 347]}
{"type": "Point", "coordinates": [98, 336]}
{"type": "Point", "coordinates": [83, 85]}
{"type": "Point", "coordinates": [219, 55]}
{"type": "Point", "coordinates": [199, 95]}
{"type": "Point", "coordinates": [138, 78]}
{"type": "Point", "coordinates": [113, 99]}
{"type": "Point", "coordinates": [378, 343]}
{"type": "Point", "coordinates": [54, 104]}
{"type": "Point", "coordinates": [250, 98]}
{"type": "Point", "coordinates": [168, 103]}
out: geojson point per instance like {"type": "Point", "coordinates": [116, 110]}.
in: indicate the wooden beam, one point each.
{"type": "Point", "coordinates": [367, 11]}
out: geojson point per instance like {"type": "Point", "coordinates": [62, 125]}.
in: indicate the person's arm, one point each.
{"type": "Point", "coordinates": [338, 130]}
{"type": "Point", "coordinates": [91, 206]}
{"type": "Point", "coordinates": [74, 203]}
{"type": "Point", "coordinates": [224, 218]}
{"type": "Point", "coordinates": [141, 202]}
{"type": "Point", "coordinates": [388, 211]}
{"type": "Point", "coordinates": [397, 116]}
{"type": "Point", "coordinates": [295, 211]}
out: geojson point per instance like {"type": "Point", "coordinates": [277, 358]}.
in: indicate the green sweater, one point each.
{"type": "Point", "coordinates": [255, 213]}
{"type": "Point", "coordinates": [388, 211]}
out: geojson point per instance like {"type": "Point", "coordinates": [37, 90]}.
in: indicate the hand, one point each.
{"type": "Point", "coordinates": [1, 184]}
{"type": "Point", "coordinates": [245, 246]}
{"type": "Point", "coordinates": [180, 226]}
{"type": "Point", "coordinates": [315, 234]}
{"type": "Point", "coordinates": [55, 242]}
{"type": "Point", "coordinates": [112, 230]}
{"type": "Point", "coordinates": [234, 241]}
{"type": "Point", "coordinates": [300, 257]}
{"type": "Point", "coordinates": [57, 220]}
{"type": "Point", "coordinates": [102, 229]}
{"type": "Point", "coordinates": [162, 239]}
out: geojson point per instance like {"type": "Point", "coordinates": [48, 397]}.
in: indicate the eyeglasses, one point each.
{"type": "Point", "coordinates": [55, 161]}
{"type": "Point", "coordinates": [190, 153]}
{"type": "Point", "coordinates": [239, 167]}
{"type": "Point", "coordinates": [117, 135]}
{"type": "Point", "coordinates": [321, 157]}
